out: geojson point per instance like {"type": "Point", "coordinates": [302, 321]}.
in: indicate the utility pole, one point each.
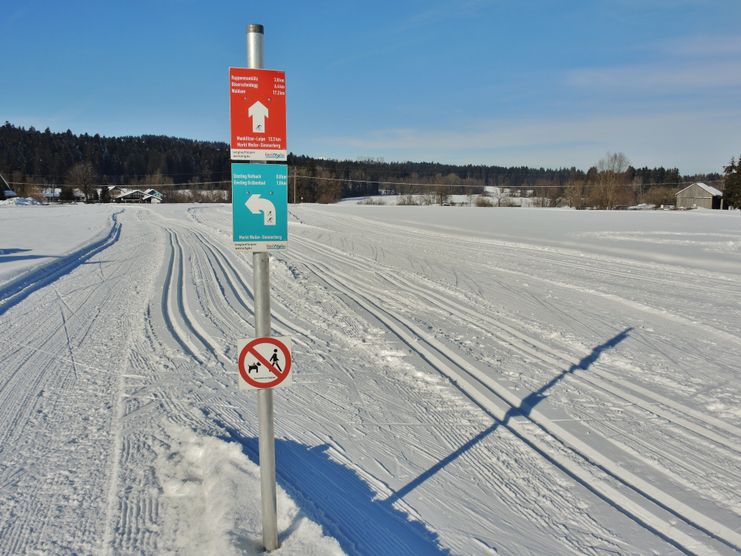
{"type": "Point", "coordinates": [261, 269]}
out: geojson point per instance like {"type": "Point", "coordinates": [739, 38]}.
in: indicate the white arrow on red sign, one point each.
{"type": "Point", "coordinates": [258, 112]}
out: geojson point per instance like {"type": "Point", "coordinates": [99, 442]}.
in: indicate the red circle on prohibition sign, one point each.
{"type": "Point", "coordinates": [280, 376]}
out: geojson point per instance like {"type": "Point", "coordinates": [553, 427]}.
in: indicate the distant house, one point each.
{"type": "Point", "coordinates": [51, 193]}
{"type": "Point", "coordinates": [6, 192]}
{"type": "Point", "coordinates": [136, 196]}
{"type": "Point", "coordinates": [156, 196]}
{"type": "Point", "coordinates": [700, 195]}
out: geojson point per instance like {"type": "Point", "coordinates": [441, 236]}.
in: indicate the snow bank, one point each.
{"type": "Point", "coordinates": [212, 498]}
{"type": "Point", "coordinates": [19, 201]}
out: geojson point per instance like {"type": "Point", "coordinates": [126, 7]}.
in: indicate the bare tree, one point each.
{"type": "Point", "coordinates": [499, 194]}
{"type": "Point", "coordinates": [82, 175]}
{"type": "Point", "coordinates": [658, 196]}
{"type": "Point", "coordinates": [610, 177]}
{"type": "Point", "coordinates": [576, 194]}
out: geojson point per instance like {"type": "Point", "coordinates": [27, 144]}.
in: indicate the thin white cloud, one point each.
{"type": "Point", "coordinates": [654, 5]}
{"type": "Point", "coordinates": [703, 46]}
{"type": "Point", "coordinates": [699, 141]}
{"type": "Point", "coordinates": [446, 10]}
{"type": "Point", "coordinates": [659, 78]}
{"type": "Point", "coordinates": [680, 65]}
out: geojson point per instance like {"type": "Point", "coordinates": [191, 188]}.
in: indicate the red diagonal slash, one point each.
{"type": "Point", "coordinates": [265, 362]}
{"type": "Point", "coordinates": [279, 376]}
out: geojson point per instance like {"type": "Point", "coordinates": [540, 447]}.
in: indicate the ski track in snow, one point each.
{"type": "Point", "coordinates": [469, 387]}
{"type": "Point", "coordinates": [451, 394]}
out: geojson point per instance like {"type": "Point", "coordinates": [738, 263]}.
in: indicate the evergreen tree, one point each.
{"type": "Point", "coordinates": [732, 182]}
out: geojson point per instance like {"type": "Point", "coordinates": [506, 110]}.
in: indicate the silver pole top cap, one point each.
{"type": "Point", "coordinates": [255, 28]}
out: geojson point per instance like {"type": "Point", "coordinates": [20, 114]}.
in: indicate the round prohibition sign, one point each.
{"type": "Point", "coordinates": [249, 349]}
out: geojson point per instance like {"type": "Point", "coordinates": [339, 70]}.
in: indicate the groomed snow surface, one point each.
{"type": "Point", "coordinates": [467, 381]}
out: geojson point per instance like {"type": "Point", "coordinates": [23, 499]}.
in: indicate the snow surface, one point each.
{"type": "Point", "coordinates": [33, 235]}
{"type": "Point", "coordinates": [467, 381]}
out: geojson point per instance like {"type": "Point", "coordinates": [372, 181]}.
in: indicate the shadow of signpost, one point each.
{"type": "Point", "coordinates": [13, 258]}
{"type": "Point", "coordinates": [335, 497]}
{"type": "Point", "coordinates": [524, 409]}
{"type": "Point", "coordinates": [340, 501]}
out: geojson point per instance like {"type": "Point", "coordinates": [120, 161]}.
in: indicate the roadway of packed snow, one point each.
{"type": "Point", "coordinates": [467, 380]}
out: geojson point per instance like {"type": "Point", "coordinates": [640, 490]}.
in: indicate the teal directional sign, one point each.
{"type": "Point", "coordinates": [259, 206]}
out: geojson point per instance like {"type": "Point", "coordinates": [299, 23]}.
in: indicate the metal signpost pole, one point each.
{"type": "Point", "coordinates": [261, 268]}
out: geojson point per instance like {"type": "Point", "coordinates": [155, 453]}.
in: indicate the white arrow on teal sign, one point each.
{"type": "Point", "coordinates": [256, 205]}
{"type": "Point", "coordinates": [259, 206]}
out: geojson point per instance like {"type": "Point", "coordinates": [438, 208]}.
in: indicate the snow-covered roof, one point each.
{"type": "Point", "coordinates": [139, 194]}
{"type": "Point", "coordinates": [709, 188]}
{"type": "Point", "coordinates": [129, 192]}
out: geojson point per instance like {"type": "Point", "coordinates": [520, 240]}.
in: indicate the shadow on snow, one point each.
{"type": "Point", "coordinates": [335, 497]}
{"type": "Point", "coordinates": [12, 258]}
{"type": "Point", "coordinates": [20, 288]}
{"type": "Point", "coordinates": [524, 409]}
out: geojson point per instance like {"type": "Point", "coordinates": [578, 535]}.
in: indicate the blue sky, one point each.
{"type": "Point", "coordinates": [511, 82]}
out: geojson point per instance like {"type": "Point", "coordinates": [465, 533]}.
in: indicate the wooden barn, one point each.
{"type": "Point", "coordinates": [700, 195]}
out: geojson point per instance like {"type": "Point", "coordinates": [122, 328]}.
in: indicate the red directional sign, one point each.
{"type": "Point", "coordinates": [264, 362]}
{"type": "Point", "coordinates": [257, 101]}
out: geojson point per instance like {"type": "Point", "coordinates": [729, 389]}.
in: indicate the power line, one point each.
{"type": "Point", "coordinates": [125, 186]}
{"type": "Point", "coordinates": [484, 186]}
{"type": "Point", "coordinates": [365, 181]}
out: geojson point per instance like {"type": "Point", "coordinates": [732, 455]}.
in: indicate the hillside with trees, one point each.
{"type": "Point", "coordinates": [30, 158]}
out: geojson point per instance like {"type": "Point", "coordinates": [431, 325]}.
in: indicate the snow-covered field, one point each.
{"type": "Point", "coordinates": [471, 381]}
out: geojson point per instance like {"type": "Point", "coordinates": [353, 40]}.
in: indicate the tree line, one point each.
{"type": "Point", "coordinates": [29, 157]}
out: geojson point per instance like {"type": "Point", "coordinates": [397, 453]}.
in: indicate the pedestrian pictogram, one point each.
{"type": "Point", "coordinates": [264, 363]}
